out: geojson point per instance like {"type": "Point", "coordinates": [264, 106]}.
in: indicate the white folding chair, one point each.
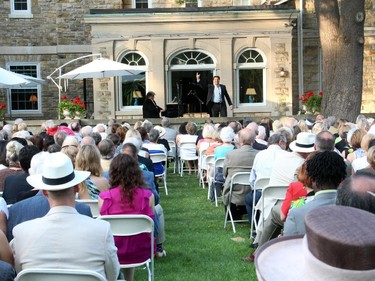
{"type": "Point", "coordinates": [185, 154]}
{"type": "Point", "coordinates": [270, 195]}
{"type": "Point", "coordinates": [93, 204]}
{"type": "Point", "coordinates": [210, 162]}
{"type": "Point", "coordinates": [202, 166]}
{"type": "Point", "coordinates": [172, 154]}
{"type": "Point", "coordinates": [241, 178]}
{"type": "Point", "coordinates": [259, 185]}
{"type": "Point", "coordinates": [211, 184]}
{"type": "Point", "coordinates": [129, 225]}
{"type": "Point", "coordinates": [48, 274]}
{"type": "Point", "coordinates": [159, 158]}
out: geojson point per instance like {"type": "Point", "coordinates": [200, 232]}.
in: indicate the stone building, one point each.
{"type": "Point", "coordinates": [264, 57]}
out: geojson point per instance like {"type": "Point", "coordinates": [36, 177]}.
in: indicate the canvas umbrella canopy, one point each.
{"type": "Point", "coordinates": [9, 79]}
{"type": "Point", "coordinates": [100, 68]}
{"type": "Point", "coordinates": [12, 80]}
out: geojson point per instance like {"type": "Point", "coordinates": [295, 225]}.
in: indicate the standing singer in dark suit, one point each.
{"type": "Point", "coordinates": [215, 99]}
{"type": "Point", "coordinates": [150, 108]}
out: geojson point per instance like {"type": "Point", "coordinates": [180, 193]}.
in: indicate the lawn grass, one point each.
{"type": "Point", "coordinates": [198, 247]}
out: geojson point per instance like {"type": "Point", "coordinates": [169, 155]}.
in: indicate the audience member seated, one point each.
{"type": "Point", "coordinates": [358, 191]}
{"type": "Point", "coordinates": [12, 153]}
{"type": "Point", "coordinates": [262, 167]}
{"type": "Point", "coordinates": [132, 150]}
{"type": "Point", "coordinates": [170, 133]}
{"type": "Point", "coordinates": [64, 238]}
{"type": "Point", "coordinates": [326, 170]}
{"type": "Point", "coordinates": [238, 160]}
{"type": "Point", "coordinates": [88, 159]}
{"type": "Point", "coordinates": [14, 184]}
{"type": "Point", "coordinates": [154, 147]}
{"type": "Point", "coordinates": [128, 195]}
{"type": "Point", "coordinates": [207, 140]}
{"type": "Point", "coordinates": [190, 136]}
{"type": "Point", "coordinates": [107, 152]}
{"type": "Point", "coordinates": [7, 272]}
{"type": "Point", "coordinates": [368, 140]}
{"type": "Point", "coordinates": [37, 206]}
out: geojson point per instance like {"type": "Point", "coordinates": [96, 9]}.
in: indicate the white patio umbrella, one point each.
{"type": "Point", "coordinates": [9, 79]}
{"type": "Point", "coordinates": [12, 80]}
{"type": "Point", "coordinates": [100, 68]}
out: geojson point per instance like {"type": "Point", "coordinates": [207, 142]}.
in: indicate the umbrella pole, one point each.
{"type": "Point", "coordinates": [85, 93]}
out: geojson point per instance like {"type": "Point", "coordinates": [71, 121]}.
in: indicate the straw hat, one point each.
{"type": "Point", "coordinates": [58, 174]}
{"type": "Point", "coordinates": [339, 245]}
{"type": "Point", "coordinates": [304, 142]}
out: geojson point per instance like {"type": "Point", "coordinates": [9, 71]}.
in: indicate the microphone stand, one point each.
{"type": "Point", "coordinates": [192, 92]}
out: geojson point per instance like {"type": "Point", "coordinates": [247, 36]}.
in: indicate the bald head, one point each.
{"type": "Point", "coordinates": [358, 191]}
{"type": "Point", "coordinates": [246, 136]}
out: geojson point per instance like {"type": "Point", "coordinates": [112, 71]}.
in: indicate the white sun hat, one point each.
{"type": "Point", "coordinates": [304, 142]}
{"type": "Point", "coordinates": [58, 174]}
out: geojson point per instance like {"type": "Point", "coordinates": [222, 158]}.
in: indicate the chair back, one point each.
{"type": "Point", "coordinates": [261, 183]}
{"type": "Point", "coordinates": [48, 274]}
{"type": "Point", "coordinates": [241, 178]}
{"type": "Point", "coordinates": [158, 157]}
{"type": "Point", "coordinates": [185, 150]}
{"type": "Point", "coordinates": [93, 204]}
{"type": "Point", "coordinates": [129, 225]}
{"type": "Point", "coordinates": [173, 149]}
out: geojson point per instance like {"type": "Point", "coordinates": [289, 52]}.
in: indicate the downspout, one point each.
{"type": "Point", "coordinates": [300, 48]}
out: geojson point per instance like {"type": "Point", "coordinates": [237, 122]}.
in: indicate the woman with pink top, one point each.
{"type": "Point", "coordinates": [128, 195]}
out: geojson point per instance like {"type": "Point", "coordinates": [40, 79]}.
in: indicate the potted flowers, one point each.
{"type": "Point", "coordinates": [3, 107]}
{"type": "Point", "coordinates": [72, 108]}
{"type": "Point", "coordinates": [311, 103]}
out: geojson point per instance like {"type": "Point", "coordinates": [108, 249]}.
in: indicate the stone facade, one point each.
{"type": "Point", "coordinates": [59, 31]}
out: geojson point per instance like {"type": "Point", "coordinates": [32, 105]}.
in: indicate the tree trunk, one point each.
{"type": "Point", "coordinates": [341, 30]}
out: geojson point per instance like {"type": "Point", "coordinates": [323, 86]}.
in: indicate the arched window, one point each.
{"type": "Point", "coordinates": [251, 75]}
{"type": "Point", "coordinates": [183, 88]}
{"type": "Point", "coordinates": [133, 87]}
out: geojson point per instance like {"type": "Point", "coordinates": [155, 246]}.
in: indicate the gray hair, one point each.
{"type": "Point", "coordinates": [153, 135]}
{"type": "Point", "coordinates": [276, 138]}
{"type": "Point", "coordinates": [165, 122]}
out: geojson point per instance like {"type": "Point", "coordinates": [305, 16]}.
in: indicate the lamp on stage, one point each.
{"type": "Point", "coordinates": [137, 95]}
{"type": "Point", "coordinates": [250, 92]}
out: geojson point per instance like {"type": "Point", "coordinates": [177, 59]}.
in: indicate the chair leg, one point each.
{"type": "Point", "coordinates": [165, 184]}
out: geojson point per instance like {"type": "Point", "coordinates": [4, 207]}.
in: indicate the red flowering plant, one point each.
{"type": "Point", "coordinates": [3, 108]}
{"type": "Point", "coordinates": [74, 107]}
{"type": "Point", "coordinates": [311, 102]}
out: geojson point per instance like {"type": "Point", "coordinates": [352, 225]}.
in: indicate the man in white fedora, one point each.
{"type": "Point", "coordinates": [64, 238]}
{"type": "Point", "coordinates": [339, 245]}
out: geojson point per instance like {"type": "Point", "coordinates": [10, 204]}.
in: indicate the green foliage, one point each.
{"type": "Point", "coordinates": [73, 106]}
{"type": "Point", "coordinates": [198, 247]}
{"type": "Point", "coordinates": [311, 101]}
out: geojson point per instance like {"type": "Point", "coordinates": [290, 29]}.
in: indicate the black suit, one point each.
{"type": "Point", "coordinates": [221, 108]}
{"type": "Point", "coordinates": [13, 185]}
{"type": "Point", "coordinates": [150, 109]}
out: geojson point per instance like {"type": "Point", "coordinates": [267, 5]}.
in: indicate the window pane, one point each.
{"type": "Point", "coordinates": [141, 4]}
{"type": "Point", "coordinates": [187, 58]}
{"type": "Point", "coordinates": [133, 86]}
{"type": "Point", "coordinates": [133, 90]}
{"type": "Point", "coordinates": [25, 98]}
{"type": "Point", "coordinates": [20, 5]}
{"type": "Point", "coordinates": [251, 79]}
